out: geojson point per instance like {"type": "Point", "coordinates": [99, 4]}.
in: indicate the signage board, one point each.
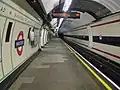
{"type": "Point", "coordinates": [74, 15]}
{"type": "Point", "coordinates": [19, 43]}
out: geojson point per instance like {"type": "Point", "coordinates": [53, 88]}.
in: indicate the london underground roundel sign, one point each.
{"type": "Point", "coordinates": [19, 43]}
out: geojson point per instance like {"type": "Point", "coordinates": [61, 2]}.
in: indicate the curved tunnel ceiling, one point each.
{"type": "Point", "coordinates": [50, 4]}
{"type": "Point", "coordinates": [91, 10]}
{"type": "Point", "coordinates": [95, 9]}
{"type": "Point", "coordinates": [112, 5]}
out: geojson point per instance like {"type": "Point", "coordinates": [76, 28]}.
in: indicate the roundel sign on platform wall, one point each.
{"type": "Point", "coordinates": [19, 43]}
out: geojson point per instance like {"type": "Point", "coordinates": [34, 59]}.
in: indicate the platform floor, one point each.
{"type": "Point", "coordinates": [55, 68]}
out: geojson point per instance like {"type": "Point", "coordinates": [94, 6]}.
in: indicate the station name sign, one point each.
{"type": "Point", "coordinates": [74, 15]}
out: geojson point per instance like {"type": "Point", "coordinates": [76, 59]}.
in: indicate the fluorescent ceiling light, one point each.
{"type": "Point", "coordinates": [67, 5]}
{"type": "Point", "coordinates": [65, 9]}
{"type": "Point", "coordinates": [61, 20]}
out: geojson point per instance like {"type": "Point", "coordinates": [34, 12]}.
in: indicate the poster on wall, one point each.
{"type": "Point", "coordinates": [37, 36]}
{"type": "Point", "coordinates": [34, 36]}
{"type": "Point", "coordinates": [31, 36]}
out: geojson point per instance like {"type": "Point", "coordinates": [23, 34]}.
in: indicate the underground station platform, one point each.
{"type": "Point", "coordinates": [57, 68]}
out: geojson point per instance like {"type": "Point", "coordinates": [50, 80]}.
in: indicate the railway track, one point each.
{"type": "Point", "coordinates": [106, 66]}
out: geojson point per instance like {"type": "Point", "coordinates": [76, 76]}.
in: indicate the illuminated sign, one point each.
{"type": "Point", "coordinates": [75, 15]}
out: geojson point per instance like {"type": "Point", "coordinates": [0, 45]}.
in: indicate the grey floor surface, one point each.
{"type": "Point", "coordinates": [55, 68]}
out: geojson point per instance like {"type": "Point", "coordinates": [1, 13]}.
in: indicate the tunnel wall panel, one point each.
{"type": "Point", "coordinates": [104, 37]}
{"type": "Point", "coordinates": [6, 46]}
{"type": "Point", "coordinates": [15, 44]}
{"type": "Point", "coordinates": [2, 23]}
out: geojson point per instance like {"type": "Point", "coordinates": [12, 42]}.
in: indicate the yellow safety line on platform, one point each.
{"type": "Point", "coordinates": [92, 71]}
